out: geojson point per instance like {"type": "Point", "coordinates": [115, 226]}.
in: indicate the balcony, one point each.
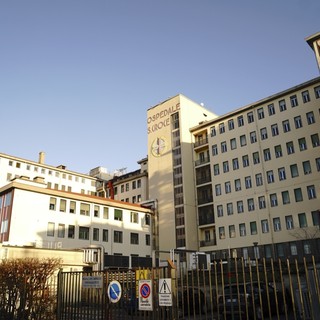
{"type": "Point", "coordinates": [207, 243]}
{"type": "Point", "coordinates": [202, 180]}
{"type": "Point", "coordinates": [201, 142]}
{"type": "Point", "coordinates": [204, 200]}
{"type": "Point", "coordinates": [202, 161]}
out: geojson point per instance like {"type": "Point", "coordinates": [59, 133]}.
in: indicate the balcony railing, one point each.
{"type": "Point", "coordinates": [205, 200]}
{"type": "Point", "coordinates": [207, 243]}
{"type": "Point", "coordinates": [202, 161]}
{"type": "Point", "coordinates": [201, 142]}
{"type": "Point", "coordinates": [202, 180]}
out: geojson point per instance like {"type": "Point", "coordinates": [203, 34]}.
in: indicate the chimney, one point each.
{"type": "Point", "coordinates": [41, 157]}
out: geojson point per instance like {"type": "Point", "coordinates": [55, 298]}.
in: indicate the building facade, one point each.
{"type": "Point", "coordinates": [258, 177]}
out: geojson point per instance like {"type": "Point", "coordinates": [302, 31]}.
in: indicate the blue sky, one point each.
{"type": "Point", "coordinates": [77, 76]}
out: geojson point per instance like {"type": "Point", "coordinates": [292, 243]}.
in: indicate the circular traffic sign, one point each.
{"type": "Point", "coordinates": [114, 291]}
{"type": "Point", "coordinates": [145, 290]}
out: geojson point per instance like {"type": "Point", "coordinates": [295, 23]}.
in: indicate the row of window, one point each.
{"type": "Point", "coordinates": [270, 176]}
{"type": "Point", "coordinates": [282, 106]}
{"type": "Point", "coordinates": [97, 234]}
{"type": "Point", "coordinates": [136, 184]}
{"type": "Point", "coordinates": [262, 202]}
{"type": "Point", "coordinates": [288, 222]}
{"type": "Point", "coordinates": [97, 211]}
{"type": "Point", "coordinates": [314, 139]}
{"type": "Point", "coordinates": [57, 174]}
{"type": "Point", "coordinates": [134, 199]}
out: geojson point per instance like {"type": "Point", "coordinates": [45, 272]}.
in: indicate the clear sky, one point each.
{"type": "Point", "coordinates": [77, 76]}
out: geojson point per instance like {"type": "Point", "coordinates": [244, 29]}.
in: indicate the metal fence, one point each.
{"type": "Point", "coordinates": [233, 289]}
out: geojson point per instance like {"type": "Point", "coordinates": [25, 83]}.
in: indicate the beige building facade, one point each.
{"type": "Point", "coordinates": [170, 170]}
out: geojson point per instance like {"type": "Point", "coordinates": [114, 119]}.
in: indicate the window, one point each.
{"type": "Point", "coordinates": [271, 109]}
{"type": "Point", "coordinates": [105, 213]}
{"type": "Point", "coordinates": [250, 117]}
{"type": "Point", "coordinates": [227, 187]}
{"type": "Point", "coordinates": [270, 176]}
{"type": "Point", "coordinates": [95, 235]}
{"type": "Point", "coordinates": [262, 202]}
{"type": "Point", "coordinates": [267, 154]}
{"type": "Point", "coordinates": [50, 229]}
{"type": "Point", "coordinates": [71, 231]}
{"type": "Point", "coordinates": [118, 214]}
{"type": "Point", "coordinates": [273, 200]}
{"type": "Point", "coordinates": [311, 192]}
{"type": "Point", "coordinates": [302, 144]}
{"type": "Point", "coordinates": [243, 140]}
{"type": "Point", "coordinates": [307, 248]}
{"type": "Point", "coordinates": [302, 220]}
{"type": "Point", "coordinates": [223, 147]}
{"type": "Point", "coordinates": [278, 151]}
{"type": "Point", "coordinates": [134, 185]}
{"type": "Point", "coordinates": [105, 235]}
{"type": "Point", "coordinates": [298, 122]}
{"type": "Point", "coordinates": [229, 208]}
{"type": "Point", "coordinates": [84, 233]}
{"type": "Point", "coordinates": [231, 124]}
{"type": "Point", "coordinates": [285, 197]}
{"type": "Point", "coordinates": [305, 96]}
{"type": "Point", "coordinates": [282, 173]}
{"type": "Point", "coordinates": [298, 195]}
{"type": "Point", "coordinates": [134, 217]}
{"type": "Point", "coordinates": [248, 182]}
{"type": "Point", "coordinates": [147, 220]}
{"type": "Point", "coordinates": [233, 144]}
{"type": "Point", "coordinates": [61, 230]}
{"type": "Point", "coordinates": [240, 121]}
{"type": "Point", "coordinates": [315, 140]}
{"type": "Point", "coordinates": [148, 240]}
{"type": "Point", "coordinates": [318, 164]}
{"type": "Point", "coordinates": [250, 203]}
{"type": "Point", "coordinates": [225, 166]}
{"type": "Point", "coordinates": [214, 150]}
{"type": "Point", "coordinates": [117, 236]}
{"type": "Point", "coordinates": [264, 133]}
{"type": "Point", "coordinates": [240, 206]}
{"type": "Point", "coordinates": [264, 226]}
{"type": "Point", "coordinates": [317, 92]}
{"type": "Point", "coordinates": [310, 117]}
{"type": "Point", "coordinates": [222, 234]}
{"type": "Point", "coordinates": [294, 101]}
{"type": "Point", "coordinates": [276, 224]}
{"type": "Point", "coordinates": [242, 229]}
{"type": "Point", "coordinates": [306, 167]}
{"type": "Point", "coordinates": [260, 113]}
{"type": "Point", "coordinates": [134, 238]}
{"type": "Point", "coordinates": [52, 204]}
{"type": "Point", "coordinates": [256, 157]}
{"type": "Point", "coordinates": [286, 126]}
{"type": "Point", "coordinates": [253, 137]}
{"type": "Point", "coordinates": [139, 183]}
{"type": "Point", "coordinates": [274, 130]}
{"type": "Point", "coordinates": [220, 210]}
{"type": "Point", "coordinates": [237, 184]}
{"type": "Point", "coordinates": [282, 105]}
{"type": "Point", "coordinates": [122, 188]}
{"type": "Point", "coordinates": [84, 209]}
{"type": "Point", "coordinates": [289, 222]}
{"type": "Point", "coordinates": [96, 211]}
{"type": "Point", "coordinates": [259, 181]}
{"type": "Point", "coordinates": [232, 231]}
{"type": "Point", "coordinates": [290, 147]}
{"type": "Point", "coordinates": [221, 128]}
{"type": "Point", "coordinates": [245, 161]}
{"type": "Point", "coordinates": [316, 217]}
{"type": "Point", "coordinates": [216, 170]}
{"type": "Point", "coordinates": [218, 189]}
{"type": "Point", "coordinates": [294, 171]}
{"type": "Point", "coordinates": [63, 205]}
{"type": "Point", "coordinates": [235, 163]}
{"type": "Point", "coordinates": [213, 131]}
{"type": "Point", "coordinates": [253, 228]}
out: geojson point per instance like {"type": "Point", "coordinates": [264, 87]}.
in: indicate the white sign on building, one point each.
{"type": "Point", "coordinates": [90, 282]}
{"type": "Point", "coordinates": [165, 292]}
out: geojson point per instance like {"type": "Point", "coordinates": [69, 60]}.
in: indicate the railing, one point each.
{"type": "Point", "coordinates": [202, 161]}
{"type": "Point", "coordinates": [201, 142]}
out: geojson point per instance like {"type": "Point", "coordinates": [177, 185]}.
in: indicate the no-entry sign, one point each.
{"type": "Point", "coordinates": [145, 295]}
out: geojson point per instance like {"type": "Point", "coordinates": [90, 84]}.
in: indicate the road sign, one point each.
{"type": "Point", "coordinates": [114, 291]}
{"type": "Point", "coordinates": [145, 295]}
{"type": "Point", "coordinates": [165, 292]}
{"type": "Point", "coordinates": [90, 282]}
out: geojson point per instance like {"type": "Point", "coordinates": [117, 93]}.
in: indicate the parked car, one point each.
{"type": "Point", "coordinates": [250, 300]}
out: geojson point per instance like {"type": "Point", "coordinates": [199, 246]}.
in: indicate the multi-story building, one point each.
{"type": "Point", "coordinates": [46, 207]}
{"type": "Point", "coordinates": [262, 172]}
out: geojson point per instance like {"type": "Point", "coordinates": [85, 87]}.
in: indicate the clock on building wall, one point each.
{"type": "Point", "coordinates": [158, 146]}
